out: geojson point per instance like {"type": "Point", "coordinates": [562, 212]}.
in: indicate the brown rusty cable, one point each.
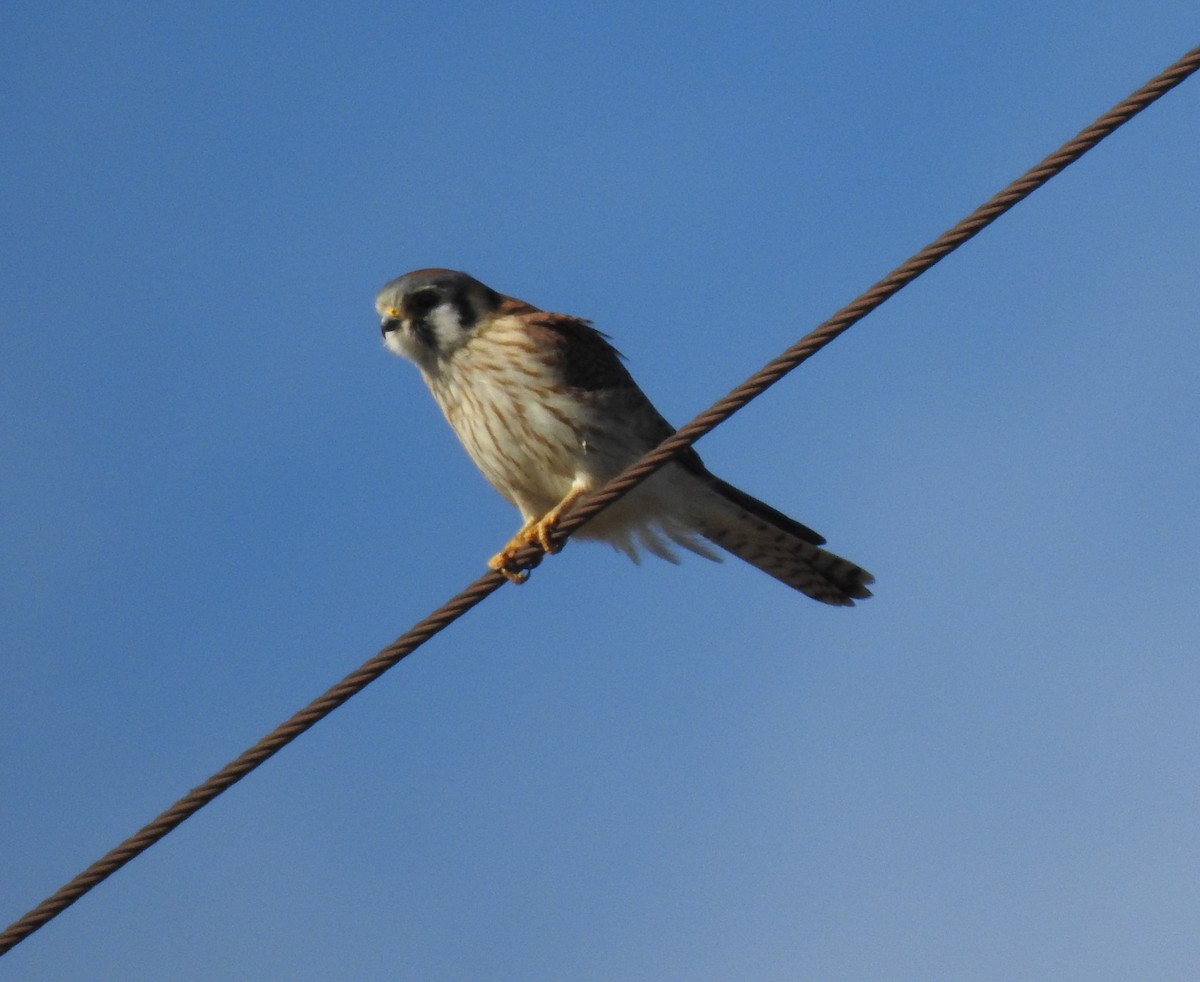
{"type": "Point", "coordinates": [487, 584]}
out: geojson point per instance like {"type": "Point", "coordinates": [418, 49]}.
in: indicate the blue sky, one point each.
{"type": "Point", "coordinates": [219, 494]}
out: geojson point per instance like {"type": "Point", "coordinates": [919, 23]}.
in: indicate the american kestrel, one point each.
{"type": "Point", "coordinates": [547, 410]}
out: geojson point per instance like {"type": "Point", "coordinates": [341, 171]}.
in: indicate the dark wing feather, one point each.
{"type": "Point", "coordinates": [588, 361]}
{"type": "Point", "coordinates": [591, 364]}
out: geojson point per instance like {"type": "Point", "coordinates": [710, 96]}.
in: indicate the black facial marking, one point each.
{"type": "Point", "coordinates": [466, 313]}
{"type": "Point", "coordinates": [423, 332]}
{"type": "Point", "coordinates": [422, 302]}
{"type": "Point", "coordinates": [418, 306]}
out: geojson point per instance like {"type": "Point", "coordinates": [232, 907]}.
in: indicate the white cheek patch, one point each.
{"type": "Point", "coordinates": [447, 328]}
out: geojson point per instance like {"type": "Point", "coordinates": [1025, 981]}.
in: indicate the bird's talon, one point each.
{"type": "Point", "coordinates": [543, 533]}
{"type": "Point", "coordinates": [503, 563]}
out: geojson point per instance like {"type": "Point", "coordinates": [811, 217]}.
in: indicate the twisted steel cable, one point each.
{"type": "Point", "coordinates": [487, 584]}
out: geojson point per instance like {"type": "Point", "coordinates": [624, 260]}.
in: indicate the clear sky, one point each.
{"type": "Point", "coordinates": [219, 494]}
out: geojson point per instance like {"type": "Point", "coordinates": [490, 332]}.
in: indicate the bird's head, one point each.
{"type": "Point", "coordinates": [429, 313]}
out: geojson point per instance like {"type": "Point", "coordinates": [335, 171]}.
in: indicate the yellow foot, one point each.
{"type": "Point", "coordinates": [539, 530]}
{"type": "Point", "coordinates": [516, 576]}
{"type": "Point", "coordinates": [505, 560]}
{"type": "Point", "coordinates": [542, 533]}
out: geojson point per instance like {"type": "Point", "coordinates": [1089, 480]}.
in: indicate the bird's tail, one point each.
{"type": "Point", "coordinates": [778, 545]}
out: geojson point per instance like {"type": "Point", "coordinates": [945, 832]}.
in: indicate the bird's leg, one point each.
{"type": "Point", "coordinates": [537, 530]}
{"type": "Point", "coordinates": [543, 530]}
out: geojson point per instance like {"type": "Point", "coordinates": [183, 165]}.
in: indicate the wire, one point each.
{"type": "Point", "coordinates": [530, 557]}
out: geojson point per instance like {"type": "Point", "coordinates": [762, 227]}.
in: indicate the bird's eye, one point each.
{"type": "Point", "coordinates": [422, 302]}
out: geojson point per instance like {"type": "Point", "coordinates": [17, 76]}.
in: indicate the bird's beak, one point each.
{"type": "Point", "coordinates": [390, 324]}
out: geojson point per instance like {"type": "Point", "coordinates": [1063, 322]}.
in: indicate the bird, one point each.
{"type": "Point", "coordinates": [545, 407]}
